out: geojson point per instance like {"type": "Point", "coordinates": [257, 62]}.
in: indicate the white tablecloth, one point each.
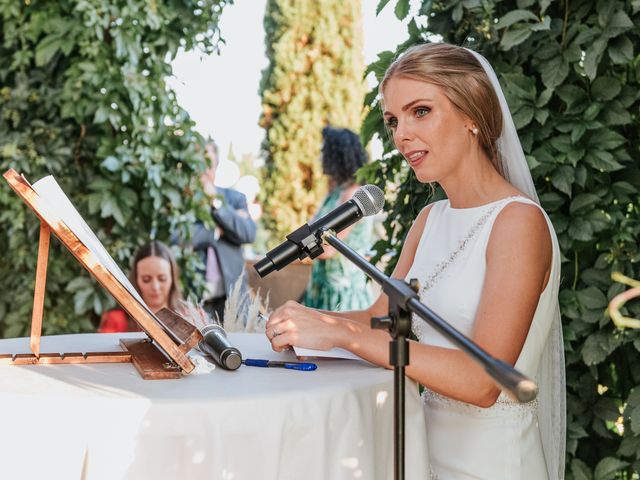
{"type": "Point", "coordinates": [103, 421]}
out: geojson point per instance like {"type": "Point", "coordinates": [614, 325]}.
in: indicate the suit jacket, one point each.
{"type": "Point", "coordinates": [237, 228]}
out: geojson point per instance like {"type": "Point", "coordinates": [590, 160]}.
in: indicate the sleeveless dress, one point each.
{"type": "Point", "coordinates": [336, 283]}
{"type": "Point", "coordinates": [502, 442]}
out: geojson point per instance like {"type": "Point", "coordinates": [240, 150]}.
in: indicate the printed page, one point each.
{"type": "Point", "coordinates": [333, 353]}
{"type": "Point", "coordinates": [49, 189]}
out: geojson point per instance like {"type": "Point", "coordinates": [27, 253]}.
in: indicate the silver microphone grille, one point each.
{"type": "Point", "coordinates": [215, 327]}
{"type": "Point", "coordinates": [370, 199]}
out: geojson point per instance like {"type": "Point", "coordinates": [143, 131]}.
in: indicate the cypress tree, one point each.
{"type": "Point", "coordinates": [314, 78]}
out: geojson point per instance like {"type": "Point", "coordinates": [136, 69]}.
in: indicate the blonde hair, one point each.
{"type": "Point", "coordinates": [464, 82]}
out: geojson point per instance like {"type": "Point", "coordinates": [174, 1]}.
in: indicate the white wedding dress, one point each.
{"type": "Point", "coordinates": [502, 442]}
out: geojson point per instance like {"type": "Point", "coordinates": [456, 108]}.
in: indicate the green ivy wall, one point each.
{"type": "Point", "coordinates": [83, 97]}
{"type": "Point", "coordinates": [571, 74]}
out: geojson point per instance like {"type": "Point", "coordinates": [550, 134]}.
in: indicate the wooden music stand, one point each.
{"type": "Point", "coordinates": [170, 337]}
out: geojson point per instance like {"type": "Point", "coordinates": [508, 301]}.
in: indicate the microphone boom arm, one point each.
{"type": "Point", "coordinates": [404, 300]}
{"type": "Point", "coordinates": [403, 294]}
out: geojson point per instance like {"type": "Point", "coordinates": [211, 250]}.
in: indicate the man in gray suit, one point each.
{"type": "Point", "coordinates": [221, 248]}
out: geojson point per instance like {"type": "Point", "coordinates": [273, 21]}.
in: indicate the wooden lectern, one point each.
{"type": "Point", "coordinates": [170, 337]}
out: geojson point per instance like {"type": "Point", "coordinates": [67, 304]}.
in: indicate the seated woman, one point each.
{"type": "Point", "coordinates": [154, 274]}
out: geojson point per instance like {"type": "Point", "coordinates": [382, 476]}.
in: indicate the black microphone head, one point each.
{"type": "Point", "coordinates": [264, 267]}
{"type": "Point", "coordinates": [370, 199]}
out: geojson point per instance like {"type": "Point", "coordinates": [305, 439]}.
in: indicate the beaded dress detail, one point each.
{"type": "Point", "coordinates": [466, 441]}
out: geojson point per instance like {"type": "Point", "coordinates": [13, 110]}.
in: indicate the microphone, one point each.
{"type": "Point", "coordinates": [216, 345]}
{"type": "Point", "coordinates": [305, 242]}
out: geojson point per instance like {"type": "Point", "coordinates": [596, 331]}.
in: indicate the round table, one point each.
{"type": "Point", "coordinates": [103, 421]}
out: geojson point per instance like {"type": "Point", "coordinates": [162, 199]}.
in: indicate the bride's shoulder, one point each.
{"type": "Point", "coordinates": [521, 224]}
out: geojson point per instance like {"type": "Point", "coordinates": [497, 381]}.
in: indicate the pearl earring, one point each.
{"type": "Point", "coordinates": [475, 130]}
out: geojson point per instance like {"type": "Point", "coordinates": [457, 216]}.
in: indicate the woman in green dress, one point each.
{"type": "Point", "coordinates": [337, 284]}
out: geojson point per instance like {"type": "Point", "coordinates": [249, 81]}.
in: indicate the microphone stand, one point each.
{"type": "Point", "coordinates": [403, 301]}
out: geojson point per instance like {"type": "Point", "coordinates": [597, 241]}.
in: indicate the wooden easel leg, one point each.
{"type": "Point", "coordinates": [41, 281]}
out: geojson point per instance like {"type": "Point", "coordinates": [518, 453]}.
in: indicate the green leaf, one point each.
{"type": "Point", "coordinates": [599, 220]}
{"type": "Point", "coordinates": [381, 5]}
{"type": "Point", "coordinates": [544, 97]}
{"type": "Point", "coordinates": [174, 196]}
{"type": "Point", "coordinates": [580, 470]}
{"type": "Point", "coordinates": [46, 49]}
{"type": "Point", "coordinates": [593, 56]}
{"type": "Point", "coordinates": [606, 139]}
{"type": "Point", "coordinates": [618, 23]}
{"type": "Point", "coordinates": [592, 111]}
{"type": "Point", "coordinates": [111, 163]}
{"type": "Point", "coordinates": [608, 467]}
{"type": "Point", "coordinates": [603, 161]}
{"type": "Point", "coordinates": [591, 298]}
{"type": "Point", "coordinates": [570, 94]}
{"type": "Point", "coordinates": [520, 86]}
{"type": "Point", "coordinates": [562, 143]}
{"type": "Point", "coordinates": [515, 36]}
{"type": "Point", "coordinates": [597, 347]}
{"type": "Point", "coordinates": [596, 278]}
{"type": "Point", "coordinates": [605, 88]}
{"type": "Point", "coordinates": [541, 116]}
{"type": "Point", "coordinates": [373, 122]}
{"type": "Point", "coordinates": [554, 71]}
{"type": "Point", "coordinates": [515, 16]}
{"type": "Point", "coordinates": [624, 188]}
{"type": "Point", "coordinates": [551, 201]}
{"type": "Point", "coordinates": [542, 26]}
{"type": "Point", "coordinates": [81, 301]}
{"type": "Point", "coordinates": [629, 446]}
{"type": "Point", "coordinates": [563, 179]}
{"type": "Point", "coordinates": [607, 409]}
{"type": "Point", "coordinates": [620, 50]}
{"type": "Point", "coordinates": [583, 202]}
{"type": "Point", "coordinates": [616, 114]}
{"type": "Point", "coordinates": [634, 418]}
{"type": "Point", "coordinates": [402, 9]}
{"type": "Point", "coordinates": [577, 133]}
{"type": "Point", "coordinates": [580, 230]}
{"type": "Point", "coordinates": [523, 116]}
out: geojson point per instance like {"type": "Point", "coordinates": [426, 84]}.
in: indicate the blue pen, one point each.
{"type": "Point", "coordinates": [253, 362]}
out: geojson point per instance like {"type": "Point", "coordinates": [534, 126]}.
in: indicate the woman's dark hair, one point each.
{"type": "Point", "coordinates": [342, 154]}
{"type": "Point", "coordinates": [160, 250]}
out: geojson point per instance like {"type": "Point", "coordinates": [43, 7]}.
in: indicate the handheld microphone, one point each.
{"type": "Point", "coordinates": [305, 242]}
{"type": "Point", "coordinates": [216, 345]}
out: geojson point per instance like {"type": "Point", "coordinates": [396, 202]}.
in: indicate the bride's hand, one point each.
{"type": "Point", "coordinates": [295, 325]}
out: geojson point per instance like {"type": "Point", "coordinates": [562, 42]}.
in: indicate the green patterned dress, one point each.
{"type": "Point", "coordinates": [337, 284]}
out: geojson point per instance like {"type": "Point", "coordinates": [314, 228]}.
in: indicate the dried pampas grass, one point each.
{"type": "Point", "coordinates": [242, 310]}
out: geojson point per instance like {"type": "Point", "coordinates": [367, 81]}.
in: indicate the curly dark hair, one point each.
{"type": "Point", "coordinates": [342, 154]}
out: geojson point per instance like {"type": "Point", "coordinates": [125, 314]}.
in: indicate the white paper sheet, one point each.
{"type": "Point", "coordinates": [333, 353]}
{"type": "Point", "coordinates": [56, 200]}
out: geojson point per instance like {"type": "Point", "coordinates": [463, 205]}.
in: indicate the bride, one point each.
{"type": "Point", "coordinates": [488, 262]}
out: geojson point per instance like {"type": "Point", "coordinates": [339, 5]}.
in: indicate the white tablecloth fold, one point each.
{"type": "Point", "coordinates": [103, 421]}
